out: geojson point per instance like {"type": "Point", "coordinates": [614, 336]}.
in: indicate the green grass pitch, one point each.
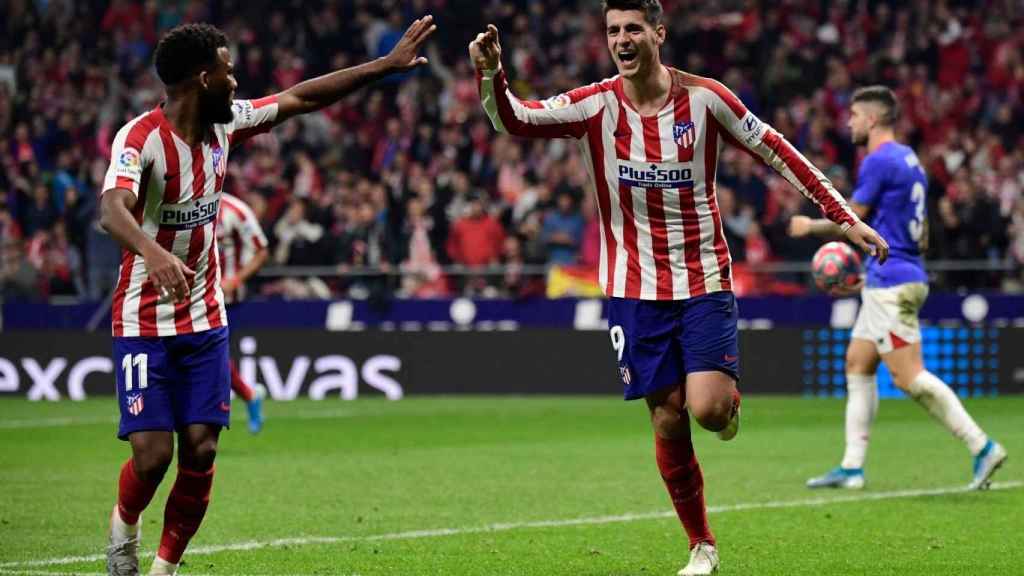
{"type": "Point", "coordinates": [521, 486]}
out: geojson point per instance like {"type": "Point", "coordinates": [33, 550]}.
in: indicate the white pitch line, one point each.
{"type": "Point", "coordinates": [68, 421]}
{"type": "Point", "coordinates": [504, 527]}
{"type": "Point", "coordinates": [53, 422]}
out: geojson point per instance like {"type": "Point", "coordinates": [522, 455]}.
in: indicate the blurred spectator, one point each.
{"type": "Point", "coordinates": [19, 281]}
{"type": "Point", "coordinates": [297, 237]}
{"type": "Point", "coordinates": [39, 213]}
{"type": "Point", "coordinates": [563, 231]}
{"type": "Point", "coordinates": [72, 73]}
{"type": "Point", "coordinates": [475, 239]}
{"type": "Point", "coordinates": [421, 274]}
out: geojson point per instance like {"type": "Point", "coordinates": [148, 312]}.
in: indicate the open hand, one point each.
{"type": "Point", "coordinates": [169, 275]}
{"type": "Point", "coordinates": [485, 51]}
{"type": "Point", "coordinates": [865, 238]}
{"type": "Point", "coordinates": [404, 56]}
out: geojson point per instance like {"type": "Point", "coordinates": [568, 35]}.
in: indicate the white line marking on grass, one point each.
{"type": "Point", "coordinates": [504, 527]}
{"type": "Point", "coordinates": [53, 422]}
{"type": "Point", "coordinates": [65, 422]}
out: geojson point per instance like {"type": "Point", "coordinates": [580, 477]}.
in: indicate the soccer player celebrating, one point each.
{"type": "Point", "coordinates": [651, 137]}
{"type": "Point", "coordinates": [242, 250]}
{"type": "Point", "coordinates": [160, 201]}
{"type": "Point", "coordinates": [891, 188]}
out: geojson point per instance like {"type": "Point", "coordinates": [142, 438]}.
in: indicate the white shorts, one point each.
{"type": "Point", "coordinates": [888, 316]}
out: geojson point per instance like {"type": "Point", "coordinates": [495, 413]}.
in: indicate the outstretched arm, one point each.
{"type": "Point", "coordinates": [746, 130]}
{"type": "Point", "coordinates": [801, 226]}
{"type": "Point", "coordinates": [322, 91]}
{"type": "Point", "coordinates": [563, 116]}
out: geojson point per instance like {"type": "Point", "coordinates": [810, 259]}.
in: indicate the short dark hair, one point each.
{"type": "Point", "coordinates": [884, 97]}
{"type": "Point", "coordinates": [651, 8]}
{"type": "Point", "coordinates": [185, 50]}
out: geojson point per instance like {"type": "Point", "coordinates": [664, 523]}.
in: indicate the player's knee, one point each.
{"type": "Point", "coordinates": [151, 462]}
{"type": "Point", "coordinates": [669, 423]}
{"type": "Point", "coordinates": [857, 365]}
{"type": "Point", "coordinates": [904, 378]}
{"type": "Point", "coordinates": [712, 413]}
{"type": "Point", "coordinates": [200, 455]}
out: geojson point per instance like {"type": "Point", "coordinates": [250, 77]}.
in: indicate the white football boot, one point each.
{"type": "Point", "coordinates": [123, 550]}
{"type": "Point", "coordinates": [703, 561]}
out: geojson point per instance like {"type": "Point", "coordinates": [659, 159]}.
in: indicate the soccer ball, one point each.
{"type": "Point", "coordinates": [836, 266]}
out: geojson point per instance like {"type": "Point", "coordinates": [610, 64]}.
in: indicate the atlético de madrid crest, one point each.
{"type": "Point", "coordinates": [684, 134]}
{"type": "Point", "coordinates": [220, 162]}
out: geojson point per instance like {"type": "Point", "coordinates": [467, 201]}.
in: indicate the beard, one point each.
{"type": "Point", "coordinates": [215, 107]}
{"type": "Point", "coordinates": [859, 139]}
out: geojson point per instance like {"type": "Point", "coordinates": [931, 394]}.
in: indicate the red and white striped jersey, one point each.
{"type": "Point", "coordinates": [179, 190]}
{"type": "Point", "coordinates": [654, 176]}
{"type": "Point", "coordinates": [239, 237]}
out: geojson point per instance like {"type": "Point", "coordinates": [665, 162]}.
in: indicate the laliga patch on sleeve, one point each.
{"type": "Point", "coordinates": [559, 102]}
{"type": "Point", "coordinates": [243, 111]}
{"type": "Point", "coordinates": [129, 163]}
{"type": "Point", "coordinates": [753, 129]}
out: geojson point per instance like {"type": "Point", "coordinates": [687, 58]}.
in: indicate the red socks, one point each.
{"type": "Point", "coordinates": [681, 473]}
{"type": "Point", "coordinates": [186, 507]}
{"type": "Point", "coordinates": [243, 390]}
{"type": "Point", "coordinates": [133, 495]}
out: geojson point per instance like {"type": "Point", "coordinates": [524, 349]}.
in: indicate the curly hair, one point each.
{"type": "Point", "coordinates": [651, 8]}
{"type": "Point", "coordinates": [185, 50]}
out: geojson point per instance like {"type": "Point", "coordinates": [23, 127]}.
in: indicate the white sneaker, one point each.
{"type": "Point", "coordinates": [123, 550]}
{"type": "Point", "coordinates": [703, 561]}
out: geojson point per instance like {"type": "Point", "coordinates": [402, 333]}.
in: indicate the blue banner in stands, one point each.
{"type": "Point", "coordinates": [504, 314]}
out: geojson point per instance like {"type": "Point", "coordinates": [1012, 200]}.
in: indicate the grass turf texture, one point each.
{"type": "Point", "coordinates": [370, 467]}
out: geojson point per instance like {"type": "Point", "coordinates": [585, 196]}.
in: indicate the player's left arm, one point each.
{"type": "Point", "coordinates": [870, 179]}
{"type": "Point", "coordinates": [322, 91]}
{"type": "Point", "coordinates": [800, 225]}
{"type": "Point", "coordinates": [744, 129]}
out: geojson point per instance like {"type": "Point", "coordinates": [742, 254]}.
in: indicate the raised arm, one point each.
{"type": "Point", "coordinates": [744, 129]}
{"type": "Point", "coordinates": [322, 91]}
{"type": "Point", "coordinates": [563, 116]}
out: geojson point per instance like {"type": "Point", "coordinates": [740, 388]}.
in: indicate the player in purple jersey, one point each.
{"type": "Point", "coordinates": [890, 195]}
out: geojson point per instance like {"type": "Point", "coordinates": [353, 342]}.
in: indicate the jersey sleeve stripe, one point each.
{"type": "Point", "coordinates": [132, 136]}
{"type": "Point", "coordinates": [265, 101]}
{"type": "Point", "coordinates": [809, 180]}
{"type": "Point", "coordinates": [513, 116]}
{"type": "Point", "coordinates": [724, 94]}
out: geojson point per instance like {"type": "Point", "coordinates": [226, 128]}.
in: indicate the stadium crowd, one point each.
{"type": "Point", "coordinates": [408, 179]}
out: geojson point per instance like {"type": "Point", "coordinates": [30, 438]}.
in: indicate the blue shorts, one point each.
{"type": "Point", "coordinates": [169, 382]}
{"type": "Point", "coordinates": [659, 342]}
